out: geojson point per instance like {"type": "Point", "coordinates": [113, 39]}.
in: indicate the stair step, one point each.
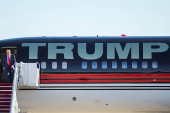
{"type": "Point", "coordinates": [4, 110]}
{"type": "Point", "coordinates": [5, 103]}
{"type": "Point", "coordinates": [5, 88]}
{"type": "Point", "coordinates": [5, 92]}
{"type": "Point", "coordinates": [4, 106]}
{"type": "Point", "coordinates": [5, 99]}
{"type": "Point", "coordinates": [6, 84]}
{"type": "Point", "coordinates": [5, 95]}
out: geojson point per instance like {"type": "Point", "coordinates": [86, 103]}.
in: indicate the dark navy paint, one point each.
{"type": "Point", "coordinates": [75, 65]}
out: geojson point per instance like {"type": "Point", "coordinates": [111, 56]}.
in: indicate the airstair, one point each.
{"type": "Point", "coordinates": [5, 96]}
{"type": "Point", "coordinates": [26, 75]}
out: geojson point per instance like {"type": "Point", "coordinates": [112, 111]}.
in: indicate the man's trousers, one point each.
{"type": "Point", "coordinates": [9, 74]}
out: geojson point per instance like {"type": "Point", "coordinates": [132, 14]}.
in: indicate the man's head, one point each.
{"type": "Point", "coordinates": [8, 51]}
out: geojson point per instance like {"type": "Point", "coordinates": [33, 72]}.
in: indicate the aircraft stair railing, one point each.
{"type": "Point", "coordinates": [14, 103]}
{"type": "Point", "coordinates": [29, 74]}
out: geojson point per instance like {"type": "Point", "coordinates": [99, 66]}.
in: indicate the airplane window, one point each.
{"type": "Point", "coordinates": [94, 65]}
{"type": "Point", "coordinates": [124, 65]}
{"type": "Point", "coordinates": [84, 65]}
{"type": "Point", "coordinates": [64, 65]}
{"type": "Point", "coordinates": [54, 65]}
{"type": "Point", "coordinates": [134, 65]}
{"type": "Point", "coordinates": [144, 65]}
{"type": "Point", "coordinates": [43, 65]}
{"type": "Point", "coordinates": [114, 65]}
{"type": "Point", "coordinates": [104, 65]}
{"type": "Point", "coordinates": [154, 64]}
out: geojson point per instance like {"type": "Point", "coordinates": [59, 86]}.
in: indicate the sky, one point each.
{"type": "Point", "coordinates": [29, 18]}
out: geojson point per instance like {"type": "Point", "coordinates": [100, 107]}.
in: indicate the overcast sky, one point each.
{"type": "Point", "coordinates": [28, 18]}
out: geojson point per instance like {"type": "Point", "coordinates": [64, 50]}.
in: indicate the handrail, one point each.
{"type": "Point", "coordinates": [14, 103]}
{"type": "Point", "coordinates": [38, 65]}
{"type": "Point", "coordinates": [39, 71]}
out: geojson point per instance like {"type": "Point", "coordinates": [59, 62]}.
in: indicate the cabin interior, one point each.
{"type": "Point", "coordinates": [2, 53]}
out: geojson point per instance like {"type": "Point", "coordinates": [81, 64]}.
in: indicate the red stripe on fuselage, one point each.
{"type": "Point", "coordinates": [103, 81]}
{"type": "Point", "coordinates": [101, 78]}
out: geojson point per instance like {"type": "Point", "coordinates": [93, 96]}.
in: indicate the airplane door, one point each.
{"type": "Point", "coordinates": [2, 53]}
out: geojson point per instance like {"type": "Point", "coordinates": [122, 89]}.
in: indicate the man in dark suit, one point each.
{"type": "Point", "coordinates": [8, 65]}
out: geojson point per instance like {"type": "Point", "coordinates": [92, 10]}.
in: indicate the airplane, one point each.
{"type": "Point", "coordinates": [103, 74]}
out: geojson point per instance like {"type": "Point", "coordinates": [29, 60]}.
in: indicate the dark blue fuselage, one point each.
{"type": "Point", "coordinates": [129, 46]}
